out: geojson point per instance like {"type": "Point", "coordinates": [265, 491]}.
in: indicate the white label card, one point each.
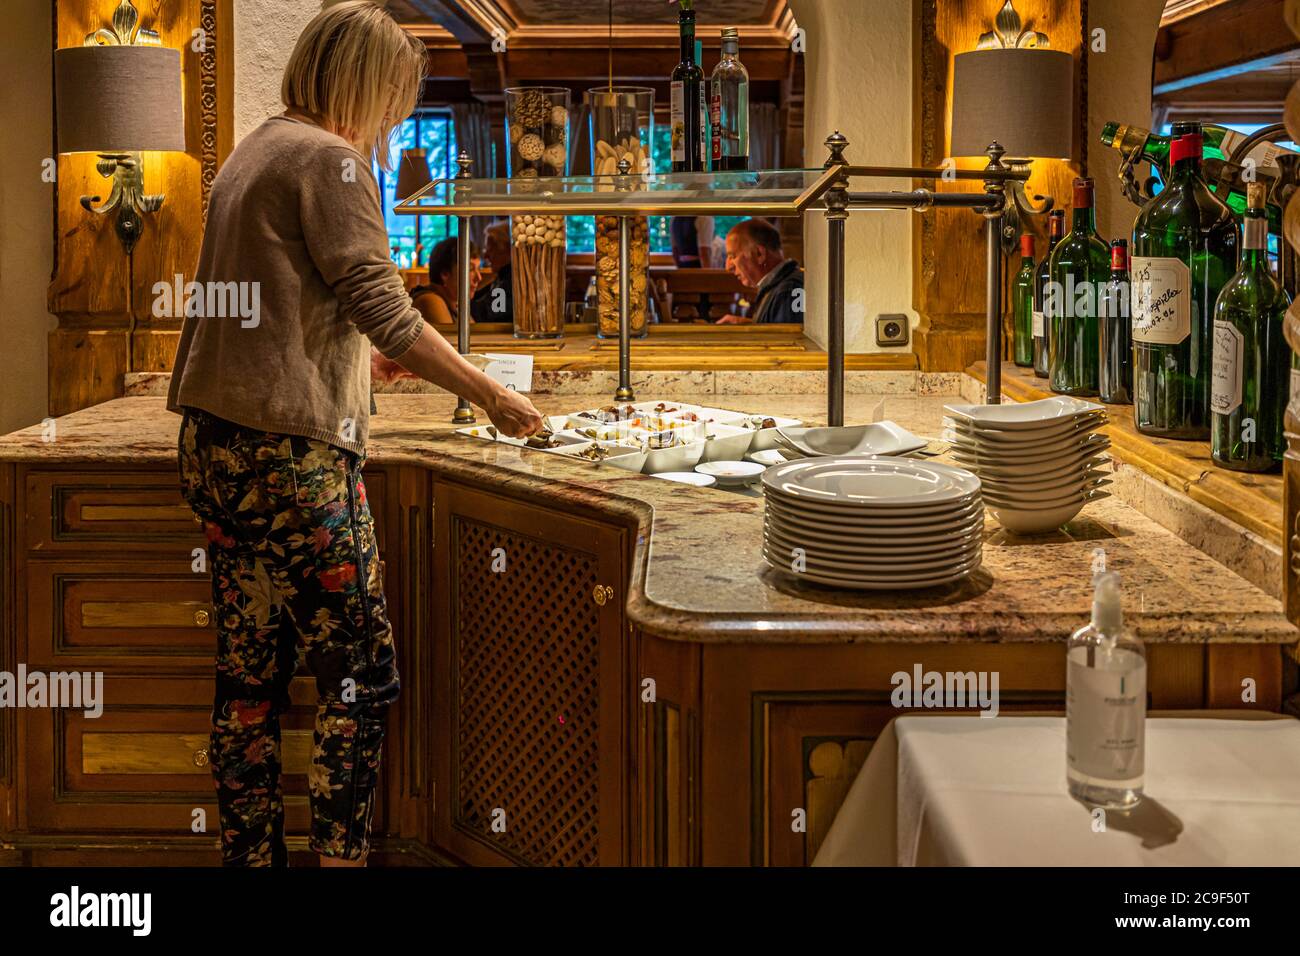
{"type": "Point", "coordinates": [1225, 382]}
{"type": "Point", "coordinates": [1161, 291]}
{"type": "Point", "coordinates": [513, 371]}
{"type": "Point", "coordinates": [1040, 326]}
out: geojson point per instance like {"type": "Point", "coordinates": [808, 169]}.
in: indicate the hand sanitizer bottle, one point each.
{"type": "Point", "coordinates": [1105, 705]}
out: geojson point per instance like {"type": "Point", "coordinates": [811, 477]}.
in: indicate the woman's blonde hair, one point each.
{"type": "Point", "coordinates": [356, 68]}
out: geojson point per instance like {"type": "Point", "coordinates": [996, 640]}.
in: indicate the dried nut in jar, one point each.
{"type": "Point", "coordinates": [554, 156]}
{"type": "Point", "coordinates": [603, 149]}
{"type": "Point", "coordinates": [529, 173]}
{"type": "Point", "coordinates": [559, 116]}
{"type": "Point", "coordinates": [531, 147]}
{"type": "Point", "coordinates": [515, 132]}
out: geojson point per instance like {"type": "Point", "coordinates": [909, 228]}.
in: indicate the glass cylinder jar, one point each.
{"type": "Point", "coordinates": [537, 128]}
{"type": "Point", "coordinates": [622, 126]}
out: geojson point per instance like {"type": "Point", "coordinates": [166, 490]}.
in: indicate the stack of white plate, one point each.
{"type": "Point", "coordinates": [858, 521]}
{"type": "Point", "coordinates": [1039, 462]}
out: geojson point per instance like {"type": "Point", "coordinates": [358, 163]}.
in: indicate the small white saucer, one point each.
{"type": "Point", "coordinates": [687, 478]}
{"type": "Point", "coordinates": [731, 472]}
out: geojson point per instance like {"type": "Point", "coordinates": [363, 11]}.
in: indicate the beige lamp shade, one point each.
{"type": "Point", "coordinates": [118, 99]}
{"type": "Point", "coordinates": [1023, 99]}
{"type": "Point", "coordinates": [412, 173]}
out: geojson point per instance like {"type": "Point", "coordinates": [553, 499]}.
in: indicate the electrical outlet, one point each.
{"type": "Point", "coordinates": [892, 330]}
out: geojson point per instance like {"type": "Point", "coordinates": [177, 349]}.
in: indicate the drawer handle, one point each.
{"type": "Point", "coordinates": [201, 757]}
{"type": "Point", "coordinates": [202, 618]}
{"type": "Point", "coordinates": [602, 594]}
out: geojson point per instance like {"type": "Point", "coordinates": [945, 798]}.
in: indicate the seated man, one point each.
{"type": "Point", "coordinates": [489, 304]}
{"type": "Point", "coordinates": [754, 256]}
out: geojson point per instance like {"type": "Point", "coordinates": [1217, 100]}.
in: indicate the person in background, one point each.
{"type": "Point", "coordinates": [755, 257]}
{"type": "Point", "coordinates": [692, 241]}
{"type": "Point", "coordinates": [274, 433]}
{"type": "Point", "coordinates": [496, 248]}
{"type": "Point", "coordinates": [436, 301]}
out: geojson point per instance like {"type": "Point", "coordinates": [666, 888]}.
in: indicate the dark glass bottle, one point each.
{"type": "Point", "coordinates": [1055, 230]}
{"type": "Point", "coordinates": [1022, 305]}
{"type": "Point", "coordinates": [1116, 331]}
{"type": "Point", "coordinates": [1184, 250]}
{"type": "Point", "coordinates": [1079, 271]}
{"type": "Point", "coordinates": [687, 89]}
{"type": "Point", "coordinates": [1252, 361]}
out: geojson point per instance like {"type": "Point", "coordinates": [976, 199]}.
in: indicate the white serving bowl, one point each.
{"type": "Point", "coordinates": [1021, 416]}
{"type": "Point", "coordinates": [968, 431]}
{"type": "Point", "coordinates": [726, 442]}
{"type": "Point", "coordinates": [686, 478]}
{"type": "Point", "coordinates": [721, 416]}
{"type": "Point", "coordinates": [681, 457]}
{"type": "Point", "coordinates": [765, 438]}
{"type": "Point", "coordinates": [731, 472]}
{"type": "Point", "coordinates": [1035, 452]}
{"type": "Point", "coordinates": [1034, 521]}
{"type": "Point", "coordinates": [1042, 497]}
{"type": "Point", "coordinates": [878, 438]}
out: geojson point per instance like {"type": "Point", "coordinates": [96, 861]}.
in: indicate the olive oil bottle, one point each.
{"type": "Point", "coordinates": [1252, 361]}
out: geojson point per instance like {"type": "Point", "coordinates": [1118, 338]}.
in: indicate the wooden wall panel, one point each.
{"type": "Point", "coordinates": [949, 284]}
{"type": "Point", "coordinates": [103, 299]}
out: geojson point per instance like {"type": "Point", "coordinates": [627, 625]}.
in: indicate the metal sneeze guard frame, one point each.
{"type": "Point", "coordinates": [747, 193]}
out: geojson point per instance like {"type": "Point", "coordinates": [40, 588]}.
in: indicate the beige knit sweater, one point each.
{"type": "Point", "coordinates": [294, 283]}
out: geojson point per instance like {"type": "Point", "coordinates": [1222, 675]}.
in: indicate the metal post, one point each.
{"type": "Point", "coordinates": [464, 410]}
{"type": "Point", "coordinates": [624, 392]}
{"type": "Point", "coordinates": [996, 188]}
{"type": "Point", "coordinates": [837, 203]}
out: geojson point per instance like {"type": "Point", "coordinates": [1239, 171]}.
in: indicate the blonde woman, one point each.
{"type": "Point", "coordinates": [274, 431]}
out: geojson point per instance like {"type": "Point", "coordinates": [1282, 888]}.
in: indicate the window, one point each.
{"type": "Point", "coordinates": [433, 131]}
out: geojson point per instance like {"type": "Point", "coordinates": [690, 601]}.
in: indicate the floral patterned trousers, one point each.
{"type": "Point", "coordinates": [295, 572]}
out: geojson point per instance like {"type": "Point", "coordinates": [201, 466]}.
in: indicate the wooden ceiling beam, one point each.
{"type": "Point", "coordinates": [1221, 41]}
{"type": "Point", "coordinates": [456, 20]}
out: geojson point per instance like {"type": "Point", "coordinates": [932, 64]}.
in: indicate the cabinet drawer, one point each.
{"type": "Point", "coordinates": [101, 613]}
{"type": "Point", "coordinates": [88, 511]}
{"type": "Point", "coordinates": [142, 764]}
{"type": "Point", "coordinates": [102, 511]}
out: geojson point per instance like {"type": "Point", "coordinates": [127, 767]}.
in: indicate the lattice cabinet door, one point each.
{"type": "Point", "coordinates": [530, 684]}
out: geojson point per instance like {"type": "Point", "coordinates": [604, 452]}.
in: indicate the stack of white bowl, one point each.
{"type": "Point", "coordinates": [1039, 462]}
{"type": "Point", "coordinates": [858, 521]}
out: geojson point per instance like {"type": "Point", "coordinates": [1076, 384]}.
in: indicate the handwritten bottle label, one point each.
{"type": "Point", "coordinates": [1225, 381]}
{"type": "Point", "coordinates": [1161, 293]}
{"type": "Point", "coordinates": [1040, 325]}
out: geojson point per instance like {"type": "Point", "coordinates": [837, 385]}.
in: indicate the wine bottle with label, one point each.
{"type": "Point", "coordinates": [1023, 305]}
{"type": "Point", "coordinates": [1055, 231]}
{"type": "Point", "coordinates": [729, 106]}
{"type": "Point", "coordinates": [1185, 244]}
{"type": "Point", "coordinates": [1079, 272]}
{"type": "Point", "coordinates": [1252, 361]}
{"type": "Point", "coordinates": [686, 90]}
{"type": "Point", "coordinates": [1116, 331]}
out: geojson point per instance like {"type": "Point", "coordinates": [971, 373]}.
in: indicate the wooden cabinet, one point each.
{"type": "Point", "coordinates": [530, 682]}
{"type": "Point", "coordinates": [98, 576]}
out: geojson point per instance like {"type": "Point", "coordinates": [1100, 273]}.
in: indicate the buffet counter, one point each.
{"type": "Point", "coordinates": [632, 644]}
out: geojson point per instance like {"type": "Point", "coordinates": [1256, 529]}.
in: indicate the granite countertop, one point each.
{"type": "Point", "coordinates": [699, 574]}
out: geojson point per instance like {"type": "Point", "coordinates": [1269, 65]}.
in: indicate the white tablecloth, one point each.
{"type": "Point", "coordinates": [971, 791]}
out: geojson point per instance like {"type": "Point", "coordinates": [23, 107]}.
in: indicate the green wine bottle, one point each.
{"type": "Point", "coordinates": [1055, 232]}
{"type": "Point", "coordinates": [1023, 305]}
{"type": "Point", "coordinates": [1218, 143]}
{"type": "Point", "coordinates": [1184, 250]}
{"type": "Point", "coordinates": [1080, 270]}
{"type": "Point", "coordinates": [1252, 361]}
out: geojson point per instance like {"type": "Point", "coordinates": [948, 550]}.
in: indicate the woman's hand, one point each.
{"type": "Point", "coordinates": [385, 369]}
{"type": "Point", "coordinates": [513, 414]}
